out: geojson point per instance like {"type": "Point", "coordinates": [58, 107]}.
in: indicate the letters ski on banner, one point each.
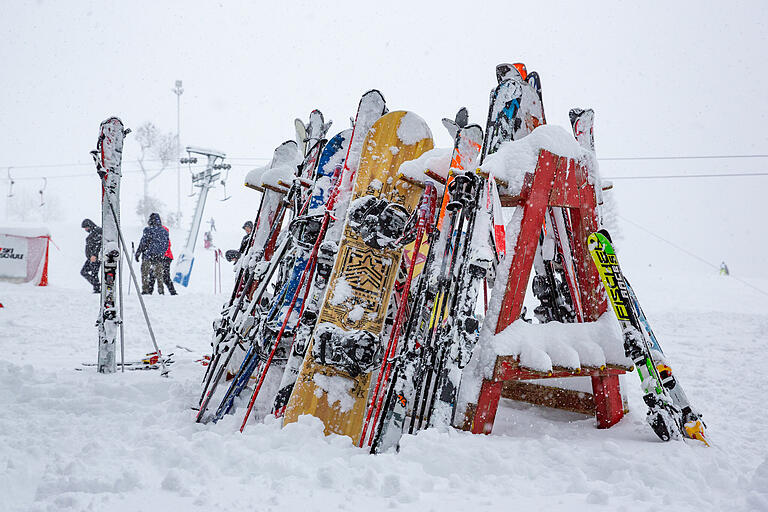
{"type": "Point", "coordinates": [24, 254]}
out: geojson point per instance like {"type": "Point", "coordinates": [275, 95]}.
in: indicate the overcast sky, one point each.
{"type": "Point", "coordinates": [665, 78]}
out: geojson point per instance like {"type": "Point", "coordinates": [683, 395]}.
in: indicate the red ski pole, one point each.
{"type": "Point", "coordinates": [426, 208]}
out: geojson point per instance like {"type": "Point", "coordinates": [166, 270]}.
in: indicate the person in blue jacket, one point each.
{"type": "Point", "coordinates": [152, 248]}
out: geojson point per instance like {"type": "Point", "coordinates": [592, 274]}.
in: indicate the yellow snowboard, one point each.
{"type": "Point", "coordinates": [362, 279]}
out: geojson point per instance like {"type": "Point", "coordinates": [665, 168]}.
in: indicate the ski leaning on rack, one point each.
{"type": "Point", "coordinates": [108, 157]}
{"type": "Point", "coordinates": [693, 426]}
{"type": "Point", "coordinates": [408, 387]}
{"type": "Point", "coordinates": [307, 233]}
{"type": "Point", "coordinates": [661, 392]}
{"type": "Point", "coordinates": [259, 326]}
{"type": "Point", "coordinates": [257, 266]}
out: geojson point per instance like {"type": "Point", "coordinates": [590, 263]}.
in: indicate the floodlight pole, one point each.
{"type": "Point", "coordinates": [178, 90]}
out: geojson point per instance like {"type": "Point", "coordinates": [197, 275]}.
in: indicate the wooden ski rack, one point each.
{"type": "Point", "coordinates": [556, 182]}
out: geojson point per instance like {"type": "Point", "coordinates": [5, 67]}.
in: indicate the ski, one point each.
{"type": "Point", "coordinates": [255, 265]}
{"type": "Point", "coordinates": [150, 362]}
{"type": "Point", "coordinates": [259, 327]}
{"type": "Point", "coordinates": [410, 364]}
{"type": "Point", "coordinates": [664, 417]}
{"type": "Point", "coordinates": [693, 426]}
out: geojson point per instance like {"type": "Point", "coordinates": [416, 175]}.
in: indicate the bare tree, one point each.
{"type": "Point", "coordinates": [156, 147]}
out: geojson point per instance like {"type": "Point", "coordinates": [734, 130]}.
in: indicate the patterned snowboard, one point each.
{"type": "Point", "coordinates": [362, 280]}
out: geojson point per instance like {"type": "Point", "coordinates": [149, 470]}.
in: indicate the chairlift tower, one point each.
{"type": "Point", "coordinates": [204, 180]}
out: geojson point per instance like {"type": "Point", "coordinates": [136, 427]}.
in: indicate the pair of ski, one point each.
{"type": "Point", "coordinates": [555, 283]}
{"type": "Point", "coordinates": [243, 318]}
{"type": "Point", "coordinates": [310, 254]}
{"type": "Point", "coordinates": [443, 327]}
{"type": "Point", "coordinates": [670, 414]}
{"type": "Point", "coordinates": [150, 362]}
{"type": "Point", "coordinates": [108, 159]}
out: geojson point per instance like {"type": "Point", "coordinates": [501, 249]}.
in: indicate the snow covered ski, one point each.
{"type": "Point", "coordinates": [666, 417]}
{"type": "Point", "coordinates": [108, 157]}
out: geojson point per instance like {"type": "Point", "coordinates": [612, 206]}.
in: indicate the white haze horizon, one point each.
{"type": "Point", "coordinates": [686, 79]}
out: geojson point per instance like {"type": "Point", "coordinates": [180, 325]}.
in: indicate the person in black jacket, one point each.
{"type": "Point", "coordinates": [153, 244]}
{"type": "Point", "coordinates": [233, 255]}
{"type": "Point", "coordinates": [90, 270]}
{"type": "Point", "coordinates": [248, 227]}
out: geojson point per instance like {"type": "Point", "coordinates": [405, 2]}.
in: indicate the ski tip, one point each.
{"type": "Point", "coordinates": [695, 430]}
{"type": "Point", "coordinates": [605, 233]}
{"type": "Point", "coordinates": [462, 117]}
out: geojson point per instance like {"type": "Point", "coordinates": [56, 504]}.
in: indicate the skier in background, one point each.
{"type": "Point", "coordinates": [724, 269]}
{"type": "Point", "coordinates": [248, 227]}
{"type": "Point", "coordinates": [232, 255]}
{"type": "Point", "coordinates": [90, 270]}
{"type": "Point", "coordinates": [167, 259]}
{"type": "Point", "coordinates": [152, 247]}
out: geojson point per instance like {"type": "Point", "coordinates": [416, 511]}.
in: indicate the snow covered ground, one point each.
{"type": "Point", "coordinates": [74, 440]}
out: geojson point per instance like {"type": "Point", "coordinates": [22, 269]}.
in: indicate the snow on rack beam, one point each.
{"type": "Point", "coordinates": [509, 368]}
{"type": "Point", "coordinates": [254, 178]}
{"type": "Point", "coordinates": [434, 164]}
{"type": "Point", "coordinates": [554, 348]}
{"type": "Point", "coordinates": [514, 159]}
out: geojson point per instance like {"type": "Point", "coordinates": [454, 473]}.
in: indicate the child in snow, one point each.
{"type": "Point", "coordinates": [167, 259]}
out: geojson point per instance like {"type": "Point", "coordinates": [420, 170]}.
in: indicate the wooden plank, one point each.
{"type": "Point", "coordinates": [509, 368]}
{"type": "Point", "coordinates": [547, 396]}
{"type": "Point", "coordinates": [412, 181]}
{"type": "Point", "coordinates": [487, 404]}
{"type": "Point", "coordinates": [275, 189]}
{"type": "Point", "coordinates": [528, 238]}
{"type": "Point", "coordinates": [433, 175]}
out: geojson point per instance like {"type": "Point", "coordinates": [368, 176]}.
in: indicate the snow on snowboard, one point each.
{"type": "Point", "coordinates": [334, 378]}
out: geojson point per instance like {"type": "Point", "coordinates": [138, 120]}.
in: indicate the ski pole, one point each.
{"type": "Point", "coordinates": [427, 204]}
{"type": "Point", "coordinates": [122, 317]}
{"type": "Point", "coordinates": [160, 359]}
{"type": "Point", "coordinates": [133, 252]}
{"type": "Point", "coordinates": [457, 289]}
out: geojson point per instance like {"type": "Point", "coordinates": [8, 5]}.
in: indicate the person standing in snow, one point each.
{"type": "Point", "coordinates": [248, 227]}
{"type": "Point", "coordinates": [152, 249]}
{"type": "Point", "coordinates": [167, 259]}
{"type": "Point", "coordinates": [90, 270]}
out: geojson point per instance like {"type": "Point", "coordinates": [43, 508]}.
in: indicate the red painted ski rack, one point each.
{"type": "Point", "coordinates": [556, 182]}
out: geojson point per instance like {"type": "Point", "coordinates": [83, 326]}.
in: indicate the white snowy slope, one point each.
{"type": "Point", "coordinates": [75, 440]}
